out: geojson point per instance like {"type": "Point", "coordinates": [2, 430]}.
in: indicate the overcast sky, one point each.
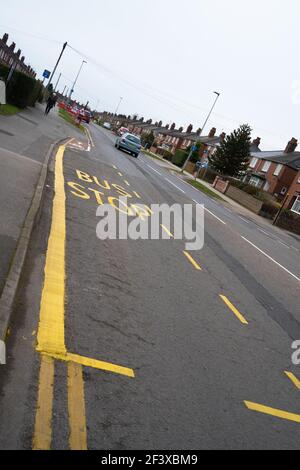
{"type": "Point", "coordinates": [166, 57]}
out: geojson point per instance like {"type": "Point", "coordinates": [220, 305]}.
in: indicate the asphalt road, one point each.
{"type": "Point", "coordinates": [199, 364]}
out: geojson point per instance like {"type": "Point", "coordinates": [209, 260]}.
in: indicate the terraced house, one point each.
{"type": "Point", "coordinates": [277, 172]}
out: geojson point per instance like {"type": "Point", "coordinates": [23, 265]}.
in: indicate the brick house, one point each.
{"type": "Point", "coordinates": [293, 198]}
{"type": "Point", "coordinates": [172, 139]}
{"type": "Point", "coordinates": [9, 57]}
{"type": "Point", "coordinates": [274, 171]}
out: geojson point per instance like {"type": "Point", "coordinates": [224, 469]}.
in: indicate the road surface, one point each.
{"type": "Point", "coordinates": [141, 345]}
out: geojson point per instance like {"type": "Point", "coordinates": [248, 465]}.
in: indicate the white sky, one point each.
{"type": "Point", "coordinates": [168, 56]}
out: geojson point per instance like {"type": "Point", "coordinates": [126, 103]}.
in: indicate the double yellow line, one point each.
{"type": "Point", "coordinates": [51, 334]}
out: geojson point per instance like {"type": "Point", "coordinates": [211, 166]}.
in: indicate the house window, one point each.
{"type": "Point", "coordinates": [266, 167]}
{"type": "Point", "coordinates": [296, 206]}
{"type": "Point", "coordinates": [255, 181]}
{"type": "Point", "coordinates": [267, 186]}
{"type": "Point", "coordinates": [278, 170]}
{"type": "Point", "coordinates": [253, 162]}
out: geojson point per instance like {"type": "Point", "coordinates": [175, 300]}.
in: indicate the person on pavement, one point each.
{"type": "Point", "coordinates": [51, 102]}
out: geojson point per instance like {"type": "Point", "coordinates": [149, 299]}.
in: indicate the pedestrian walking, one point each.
{"type": "Point", "coordinates": [51, 102]}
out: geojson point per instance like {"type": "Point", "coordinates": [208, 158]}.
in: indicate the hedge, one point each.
{"type": "Point", "coordinates": [22, 90]}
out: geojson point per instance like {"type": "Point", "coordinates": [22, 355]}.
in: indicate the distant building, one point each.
{"type": "Point", "coordinates": [10, 57]}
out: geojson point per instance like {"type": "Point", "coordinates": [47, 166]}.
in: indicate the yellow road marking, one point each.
{"type": "Point", "coordinates": [120, 174]}
{"type": "Point", "coordinates": [192, 261]}
{"type": "Point", "coordinates": [234, 310]}
{"type": "Point", "coordinates": [43, 419]}
{"type": "Point", "coordinates": [114, 167]}
{"type": "Point", "coordinates": [137, 195]}
{"type": "Point", "coordinates": [76, 408]}
{"type": "Point", "coordinates": [167, 231]}
{"type": "Point", "coordinates": [294, 379]}
{"type": "Point", "coordinates": [94, 364]}
{"type": "Point", "coordinates": [51, 332]}
{"type": "Point", "coordinates": [126, 182]}
{"type": "Point", "coordinates": [273, 412]}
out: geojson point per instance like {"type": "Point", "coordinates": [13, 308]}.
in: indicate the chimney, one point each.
{"type": "Point", "coordinates": [212, 132]}
{"type": "Point", "coordinates": [189, 129]}
{"type": "Point", "coordinates": [12, 46]}
{"type": "Point", "coordinates": [257, 141]}
{"type": "Point", "coordinates": [291, 146]}
{"type": "Point", "coordinates": [222, 136]}
{"type": "Point", "coordinates": [173, 126]}
{"type": "Point", "coordinates": [167, 126]}
{"type": "Point", "coordinates": [5, 38]}
{"type": "Point", "coordinates": [18, 53]}
{"type": "Point", "coordinates": [199, 131]}
{"type": "Point", "coordinates": [160, 124]}
{"type": "Point", "coordinates": [180, 129]}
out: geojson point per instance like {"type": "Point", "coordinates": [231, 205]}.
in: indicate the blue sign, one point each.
{"type": "Point", "coordinates": [46, 74]}
{"type": "Point", "coordinates": [194, 148]}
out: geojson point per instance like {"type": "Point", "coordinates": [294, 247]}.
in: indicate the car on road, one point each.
{"type": "Point", "coordinates": [122, 131]}
{"type": "Point", "coordinates": [85, 115]}
{"type": "Point", "coordinates": [129, 142]}
{"type": "Point", "coordinates": [107, 125]}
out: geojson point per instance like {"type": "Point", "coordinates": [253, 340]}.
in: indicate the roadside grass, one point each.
{"type": "Point", "coordinates": [205, 190]}
{"type": "Point", "coordinates": [70, 119]}
{"type": "Point", "coordinates": [9, 110]}
{"type": "Point", "coordinates": [152, 155]}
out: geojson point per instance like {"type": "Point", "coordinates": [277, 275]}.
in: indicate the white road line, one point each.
{"type": "Point", "coordinates": [283, 244]}
{"type": "Point", "coordinates": [272, 259]}
{"type": "Point", "coordinates": [246, 221]}
{"type": "Point", "coordinates": [264, 232]}
{"type": "Point", "coordinates": [218, 218]}
{"type": "Point", "coordinates": [177, 187]}
{"type": "Point", "coordinates": [153, 169]}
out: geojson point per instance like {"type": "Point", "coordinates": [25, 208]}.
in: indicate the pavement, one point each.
{"type": "Point", "coordinates": [125, 345]}
{"type": "Point", "coordinates": [25, 139]}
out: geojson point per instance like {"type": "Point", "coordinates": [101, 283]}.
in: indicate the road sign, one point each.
{"type": "Point", "coordinates": [194, 148]}
{"type": "Point", "coordinates": [46, 74]}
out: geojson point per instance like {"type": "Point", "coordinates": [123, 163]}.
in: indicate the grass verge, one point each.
{"type": "Point", "coordinates": [9, 110]}
{"type": "Point", "coordinates": [205, 190]}
{"type": "Point", "coordinates": [70, 119]}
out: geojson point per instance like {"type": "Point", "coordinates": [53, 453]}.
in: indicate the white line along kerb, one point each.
{"type": "Point", "coordinates": [272, 259]}
{"type": "Point", "coordinates": [2, 353]}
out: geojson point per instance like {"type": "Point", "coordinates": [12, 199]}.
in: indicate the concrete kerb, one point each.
{"type": "Point", "coordinates": [9, 292]}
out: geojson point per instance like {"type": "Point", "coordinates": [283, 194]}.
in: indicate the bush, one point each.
{"type": "Point", "coordinates": [179, 158]}
{"type": "Point", "coordinates": [22, 90]}
{"type": "Point", "coordinates": [167, 155]}
{"type": "Point", "coordinates": [269, 210]}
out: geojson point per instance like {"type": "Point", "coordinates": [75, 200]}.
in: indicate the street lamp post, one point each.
{"type": "Point", "coordinates": [74, 84]}
{"type": "Point", "coordinates": [201, 132]}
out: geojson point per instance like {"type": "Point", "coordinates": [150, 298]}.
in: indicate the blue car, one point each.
{"type": "Point", "coordinates": [129, 142]}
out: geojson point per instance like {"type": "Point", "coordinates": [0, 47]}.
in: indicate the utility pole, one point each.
{"type": "Point", "coordinates": [57, 82]}
{"type": "Point", "coordinates": [58, 61]}
{"type": "Point", "coordinates": [121, 99]}
{"type": "Point", "coordinates": [74, 84]}
{"type": "Point", "coordinates": [63, 93]}
{"type": "Point", "coordinates": [201, 132]}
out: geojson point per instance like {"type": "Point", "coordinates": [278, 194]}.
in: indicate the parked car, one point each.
{"type": "Point", "coordinates": [85, 116]}
{"type": "Point", "coordinates": [107, 125]}
{"type": "Point", "coordinates": [122, 131]}
{"type": "Point", "coordinates": [129, 142]}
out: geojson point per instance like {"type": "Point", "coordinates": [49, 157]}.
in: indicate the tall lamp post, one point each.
{"type": "Point", "coordinates": [201, 132]}
{"type": "Point", "coordinates": [76, 79]}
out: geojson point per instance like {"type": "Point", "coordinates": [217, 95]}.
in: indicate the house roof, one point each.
{"type": "Point", "coordinates": [291, 160]}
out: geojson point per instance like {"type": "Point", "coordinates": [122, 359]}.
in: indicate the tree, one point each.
{"type": "Point", "coordinates": [233, 154]}
{"type": "Point", "coordinates": [148, 140]}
